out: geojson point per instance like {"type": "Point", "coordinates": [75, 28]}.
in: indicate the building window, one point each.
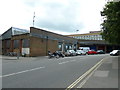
{"type": "Point", "coordinates": [25, 43]}
{"type": "Point", "coordinates": [70, 47]}
{"type": "Point", "coordinates": [82, 37]}
{"type": "Point", "coordinates": [8, 43]}
{"type": "Point", "coordinates": [60, 46]}
{"type": "Point", "coordinates": [16, 43]}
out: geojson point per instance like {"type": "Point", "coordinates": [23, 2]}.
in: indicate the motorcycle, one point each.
{"type": "Point", "coordinates": [56, 54]}
{"type": "Point", "coordinates": [53, 55]}
{"type": "Point", "coordinates": [60, 54]}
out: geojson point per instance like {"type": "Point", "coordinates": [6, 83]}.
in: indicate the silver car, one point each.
{"type": "Point", "coordinates": [80, 52]}
{"type": "Point", "coordinates": [70, 53]}
{"type": "Point", "coordinates": [115, 53]}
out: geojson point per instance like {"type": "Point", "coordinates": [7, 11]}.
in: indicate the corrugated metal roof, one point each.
{"type": "Point", "coordinates": [13, 31]}
{"type": "Point", "coordinates": [18, 31]}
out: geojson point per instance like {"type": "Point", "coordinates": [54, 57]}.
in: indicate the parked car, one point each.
{"type": "Point", "coordinates": [115, 53]}
{"type": "Point", "coordinates": [91, 52]}
{"type": "Point", "coordinates": [70, 53]}
{"type": "Point", "coordinates": [100, 52]}
{"type": "Point", "coordinates": [85, 49]}
{"type": "Point", "coordinates": [80, 52]}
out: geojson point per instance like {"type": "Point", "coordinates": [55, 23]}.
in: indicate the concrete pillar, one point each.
{"type": "Point", "coordinates": [20, 47]}
{"type": "Point", "coordinates": [76, 47]}
{"type": "Point", "coordinates": [12, 45]}
{"type": "Point", "coordinates": [97, 47]}
{"type": "Point", "coordinates": [63, 47]}
{"type": "Point", "coordinates": [5, 49]}
{"type": "Point", "coordinates": [73, 47]}
{"type": "Point", "coordinates": [105, 48]}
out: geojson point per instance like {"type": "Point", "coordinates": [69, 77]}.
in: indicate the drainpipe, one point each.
{"type": "Point", "coordinates": [46, 45]}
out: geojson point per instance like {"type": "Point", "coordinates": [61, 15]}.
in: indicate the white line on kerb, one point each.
{"type": "Point", "coordinates": [22, 72]}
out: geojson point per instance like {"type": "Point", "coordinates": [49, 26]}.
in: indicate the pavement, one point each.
{"type": "Point", "coordinates": [2, 57]}
{"type": "Point", "coordinates": [106, 76]}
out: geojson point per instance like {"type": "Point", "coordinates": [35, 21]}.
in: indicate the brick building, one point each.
{"type": "Point", "coordinates": [36, 42]}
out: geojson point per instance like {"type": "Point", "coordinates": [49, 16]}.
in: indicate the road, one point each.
{"type": "Point", "coordinates": [46, 73]}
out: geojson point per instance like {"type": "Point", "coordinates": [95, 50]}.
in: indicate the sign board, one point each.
{"type": "Point", "coordinates": [25, 51]}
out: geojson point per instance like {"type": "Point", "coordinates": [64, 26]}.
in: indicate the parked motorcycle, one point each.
{"type": "Point", "coordinates": [56, 54]}
{"type": "Point", "coordinates": [52, 55]}
{"type": "Point", "coordinates": [60, 54]}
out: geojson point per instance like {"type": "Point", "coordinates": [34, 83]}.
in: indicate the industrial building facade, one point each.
{"type": "Point", "coordinates": [94, 40]}
{"type": "Point", "coordinates": [92, 35]}
{"type": "Point", "coordinates": [36, 42]}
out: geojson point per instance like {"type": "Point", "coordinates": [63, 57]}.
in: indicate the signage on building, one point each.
{"type": "Point", "coordinates": [25, 51]}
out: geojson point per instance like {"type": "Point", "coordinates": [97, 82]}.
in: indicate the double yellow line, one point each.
{"type": "Point", "coordinates": [85, 74]}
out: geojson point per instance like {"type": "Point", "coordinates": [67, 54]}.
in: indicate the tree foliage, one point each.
{"type": "Point", "coordinates": [111, 24]}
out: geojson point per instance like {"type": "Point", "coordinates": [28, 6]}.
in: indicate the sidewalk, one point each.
{"type": "Point", "coordinates": [106, 76]}
{"type": "Point", "coordinates": [20, 58]}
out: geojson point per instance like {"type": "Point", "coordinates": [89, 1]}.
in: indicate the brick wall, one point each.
{"type": "Point", "coordinates": [40, 46]}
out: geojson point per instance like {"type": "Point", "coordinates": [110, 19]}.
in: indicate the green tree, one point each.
{"type": "Point", "coordinates": [111, 24]}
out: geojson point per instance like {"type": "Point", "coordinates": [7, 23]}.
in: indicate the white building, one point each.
{"type": "Point", "coordinates": [93, 35]}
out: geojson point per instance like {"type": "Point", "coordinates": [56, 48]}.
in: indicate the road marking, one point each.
{"type": "Point", "coordinates": [67, 61]}
{"type": "Point", "coordinates": [21, 72]}
{"type": "Point", "coordinates": [84, 81]}
{"type": "Point", "coordinates": [85, 74]}
{"type": "Point", "coordinates": [64, 62]}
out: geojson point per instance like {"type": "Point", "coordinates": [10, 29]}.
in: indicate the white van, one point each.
{"type": "Point", "coordinates": [85, 49]}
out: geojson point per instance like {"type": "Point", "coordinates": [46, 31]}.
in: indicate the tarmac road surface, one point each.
{"type": "Point", "coordinates": [41, 72]}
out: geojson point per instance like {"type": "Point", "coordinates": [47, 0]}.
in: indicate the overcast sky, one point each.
{"type": "Point", "coordinates": [59, 16]}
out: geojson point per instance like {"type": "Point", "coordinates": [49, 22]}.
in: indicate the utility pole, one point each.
{"type": "Point", "coordinates": [33, 19]}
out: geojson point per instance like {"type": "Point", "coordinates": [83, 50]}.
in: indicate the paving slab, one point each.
{"type": "Point", "coordinates": [106, 76]}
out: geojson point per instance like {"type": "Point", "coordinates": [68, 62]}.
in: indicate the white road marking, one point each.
{"type": "Point", "coordinates": [67, 61]}
{"type": "Point", "coordinates": [21, 72]}
{"type": "Point", "coordinates": [85, 74]}
{"type": "Point", "coordinates": [64, 62]}
{"type": "Point", "coordinates": [68, 57]}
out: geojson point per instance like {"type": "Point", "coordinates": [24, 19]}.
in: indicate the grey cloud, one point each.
{"type": "Point", "coordinates": [59, 16]}
{"type": "Point", "coordinates": [63, 27]}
